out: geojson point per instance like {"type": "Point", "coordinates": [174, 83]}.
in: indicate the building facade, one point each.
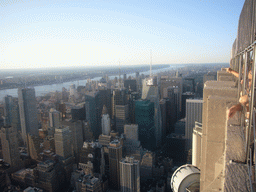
{"type": "Point", "coordinates": [144, 115]}
{"type": "Point", "coordinates": [130, 175]}
{"type": "Point", "coordinates": [194, 112]}
{"type": "Point", "coordinates": [28, 112]}
{"type": "Point", "coordinates": [10, 146]}
{"type": "Point", "coordinates": [105, 121]}
{"type": "Point", "coordinates": [54, 117]}
{"type": "Point", "coordinates": [115, 155]}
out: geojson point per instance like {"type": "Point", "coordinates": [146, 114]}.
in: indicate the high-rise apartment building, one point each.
{"type": "Point", "coordinates": [28, 112]}
{"type": "Point", "coordinates": [194, 112]}
{"type": "Point", "coordinates": [130, 175]}
{"type": "Point", "coordinates": [10, 146]}
{"type": "Point", "coordinates": [115, 155]}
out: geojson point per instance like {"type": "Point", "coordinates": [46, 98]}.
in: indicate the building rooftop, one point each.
{"type": "Point", "coordinates": [114, 143]}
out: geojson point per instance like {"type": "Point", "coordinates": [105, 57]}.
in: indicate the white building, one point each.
{"type": "Point", "coordinates": [194, 109]}
{"type": "Point", "coordinates": [105, 122]}
{"type": "Point", "coordinates": [130, 175]}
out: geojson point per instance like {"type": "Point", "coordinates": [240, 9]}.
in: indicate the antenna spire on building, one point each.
{"type": "Point", "coordinates": [150, 63]}
{"type": "Point", "coordinates": [119, 81]}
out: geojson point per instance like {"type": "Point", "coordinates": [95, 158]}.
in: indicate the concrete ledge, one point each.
{"type": "Point", "coordinates": [224, 76]}
{"type": "Point", "coordinates": [220, 84]}
{"type": "Point", "coordinates": [236, 176]}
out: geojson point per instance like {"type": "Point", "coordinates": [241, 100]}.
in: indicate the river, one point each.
{"type": "Point", "coordinates": [43, 89]}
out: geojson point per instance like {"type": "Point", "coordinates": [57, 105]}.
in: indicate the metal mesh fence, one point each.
{"type": "Point", "coordinates": [246, 33]}
{"type": "Point", "coordinates": [246, 28]}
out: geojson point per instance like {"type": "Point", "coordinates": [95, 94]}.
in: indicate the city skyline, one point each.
{"type": "Point", "coordinates": [102, 33]}
{"type": "Point", "coordinates": [174, 128]}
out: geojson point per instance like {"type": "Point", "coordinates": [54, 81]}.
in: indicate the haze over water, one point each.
{"type": "Point", "coordinates": [43, 89]}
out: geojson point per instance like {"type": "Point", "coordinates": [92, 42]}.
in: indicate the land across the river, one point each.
{"type": "Point", "coordinates": [20, 78]}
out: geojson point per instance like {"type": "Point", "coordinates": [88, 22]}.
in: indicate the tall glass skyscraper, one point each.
{"type": "Point", "coordinates": [144, 116]}
{"type": "Point", "coordinates": [28, 112]}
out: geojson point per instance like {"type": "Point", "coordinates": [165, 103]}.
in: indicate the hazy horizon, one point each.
{"type": "Point", "coordinates": [43, 34]}
{"type": "Point", "coordinates": [101, 67]}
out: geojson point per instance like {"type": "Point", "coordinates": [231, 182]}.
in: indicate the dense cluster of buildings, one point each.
{"type": "Point", "coordinates": [105, 136]}
{"type": "Point", "coordinates": [136, 134]}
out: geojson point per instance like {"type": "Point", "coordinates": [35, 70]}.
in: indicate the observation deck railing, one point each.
{"type": "Point", "coordinates": [245, 63]}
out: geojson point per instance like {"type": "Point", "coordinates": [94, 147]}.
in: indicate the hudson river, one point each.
{"type": "Point", "coordinates": [43, 89]}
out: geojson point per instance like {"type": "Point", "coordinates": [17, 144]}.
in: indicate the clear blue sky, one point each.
{"type": "Point", "coordinates": [55, 33]}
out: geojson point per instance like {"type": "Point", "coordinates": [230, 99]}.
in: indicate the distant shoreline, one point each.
{"type": "Point", "coordinates": [127, 71]}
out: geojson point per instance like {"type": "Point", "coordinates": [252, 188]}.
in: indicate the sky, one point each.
{"type": "Point", "coordinates": [72, 33]}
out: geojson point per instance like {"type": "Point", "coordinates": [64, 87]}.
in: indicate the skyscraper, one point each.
{"type": "Point", "coordinates": [63, 148]}
{"type": "Point", "coordinates": [194, 109]}
{"type": "Point", "coordinates": [150, 91]}
{"type": "Point", "coordinates": [34, 148]}
{"type": "Point", "coordinates": [144, 115]}
{"type": "Point", "coordinates": [177, 84]}
{"type": "Point", "coordinates": [8, 105]}
{"type": "Point", "coordinates": [115, 155]}
{"type": "Point", "coordinates": [185, 96]}
{"type": "Point", "coordinates": [122, 117]}
{"type": "Point", "coordinates": [162, 104]}
{"type": "Point", "coordinates": [91, 112]}
{"type": "Point", "coordinates": [76, 128]}
{"type": "Point", "coordinates": [93, 106]}
{"type": "Point", "coordinates": [133, 96]}
{"type": "Point", "coordinates": [131, 84]}
{"type": "Point", "coordinates": [62, 138]}
{"type": "Point", "coordinates": [54, 117]}
{"type": "Point", "coordinates": [11, 112]}
{"type": "Point", "coordinates": [119, 97]}
{"type": "Point", "coordinates": [130, 175]}
{"type": "Point", "coordinates": [132, 145]}
{"type": "Point", "coordinates": [105, 121]}
{"type": "Point", "coordinates": [9, 143]}
{"type": "Point", "coordinates": [131, 132]}
{"type": "Point", "coordinates": [172, 108]}
{"type": "Point", "coordinates": [28, 112]}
